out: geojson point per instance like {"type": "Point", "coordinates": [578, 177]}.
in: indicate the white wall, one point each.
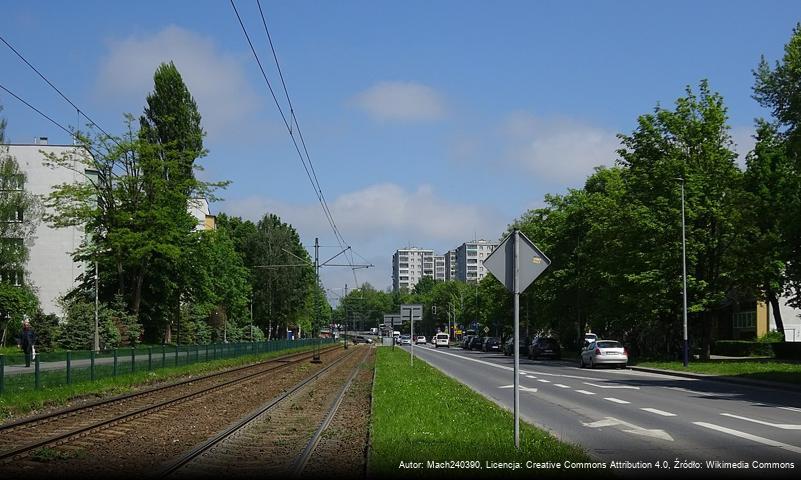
{"type": "Point", "coordinates": [791, 317]}
{"type": "Point", "coordinates": [50, 267]}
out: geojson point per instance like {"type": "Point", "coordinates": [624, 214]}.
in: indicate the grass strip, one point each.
{"type": "Point", "coordinates": [24, 400]}
{"type": "Point", "coordinates": [768, 369]}
{"type": "Point", "coordinates": [421, 415]}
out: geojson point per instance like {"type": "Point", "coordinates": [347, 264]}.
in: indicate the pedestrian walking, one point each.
{"type": "Point", "coordinates": [27, 340]}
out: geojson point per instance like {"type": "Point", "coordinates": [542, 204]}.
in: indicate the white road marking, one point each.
{"type": "Point", "coordinates": [522, 388]}
{"type": "Point", "coordinates": [659, 412]}
{"type": "Point", "coordinates": [630, 387]}
{"type": "Point", "coordinates": [560, 385]}
{"type": "Point", "coordinates": [616, 400]}
{"type": "Point", "coordinates": [748, 436]}
{"type": "Point", "coordinates": [585, 392]}
{"type": "Point", "coordinates": [635, 429]}
{"type": "Point", "coordinates": [792, 409]}
{"type": "Point", "coordinates": [530, 376]}
{"type": "Point", "coordinates": [783, 426]}
{"type": "Point", "coordinates": [544, 381]}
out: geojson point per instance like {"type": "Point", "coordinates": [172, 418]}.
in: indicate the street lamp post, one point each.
{"type": "Point", "coordinates": [97, 307]}
{"type": "Point", "coordinates": [684, 273]}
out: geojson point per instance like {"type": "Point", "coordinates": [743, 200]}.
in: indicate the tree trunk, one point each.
{"type": "Point", "coordinates": [706, 345]}
{"type": "Point", "coordinates": [773, 299]}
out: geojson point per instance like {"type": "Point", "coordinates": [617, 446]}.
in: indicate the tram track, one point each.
{"type": "Point", "coordinates": [257, 444]}
{"type": "Point", "coordinates": [19, 439]}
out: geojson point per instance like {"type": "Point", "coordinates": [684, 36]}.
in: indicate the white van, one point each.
{"type": "Point", "coordinates": [442, 340]}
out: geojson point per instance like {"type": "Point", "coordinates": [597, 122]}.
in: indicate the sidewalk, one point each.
{"type": "Point", "coordinates": [723, 379]}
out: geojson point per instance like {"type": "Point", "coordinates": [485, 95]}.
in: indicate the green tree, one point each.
{"type": "Point", "coordinates": [778, 89]}
{"type": "Point", "coordinates": [767, 184]}
{"type": "Point", "coordinates": [691, 142]}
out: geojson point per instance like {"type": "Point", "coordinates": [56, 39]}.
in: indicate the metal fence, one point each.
{"type": "Point", "coordinates": [52, 369]}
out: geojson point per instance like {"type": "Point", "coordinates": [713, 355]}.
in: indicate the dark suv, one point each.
{"type": "Point", "coordinates": [509, 346]}
{"type": "Point", "coordinates": [475, 343]}
{"type": "Point", "coordinates": [491, 344]}
{"type": "Point", "coordinates": [544, 347]}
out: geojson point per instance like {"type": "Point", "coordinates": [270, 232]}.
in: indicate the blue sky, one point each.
{"type": "Point", "coordinates": [428, 123]}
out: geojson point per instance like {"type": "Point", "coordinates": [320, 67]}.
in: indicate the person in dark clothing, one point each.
{"type": "Point", "coordinates": [27, 340]}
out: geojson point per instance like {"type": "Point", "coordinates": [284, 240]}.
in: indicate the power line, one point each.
{"type": "Point", "coordinates": [80, 112]}
{"type": "Point", "coordinates": [71, 134]}
{"type": "Point", "coordinates": [325, 206]}
{"type": "Point", "coordinates": [310, 172]}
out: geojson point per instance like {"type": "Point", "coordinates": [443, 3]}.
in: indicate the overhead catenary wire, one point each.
{"type": "Point", "coordinates": [289, 123]}
{"type": "Point", "coordinates": [76, 107]}
{"type": "Point", "coordinates": [337, 233]}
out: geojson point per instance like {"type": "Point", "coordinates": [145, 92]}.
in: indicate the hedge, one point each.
{"type": "Point", "coordinates": [787, 350]}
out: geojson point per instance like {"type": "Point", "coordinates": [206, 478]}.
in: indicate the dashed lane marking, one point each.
{"type": "Point", "coordinates": [629, 387]}
{"type": "Point", "coordinates": [783, 426]}
{"type": "Point", "coordinates": [748, 436]}
{"type": "Point", "coordinates": [585, 392]}
{"type": "Point", "coordinates": [616, 400]}
{"type": "Point", "coordinates": [543, 380]}
{"type": "Point", "coordinates": [561, 386]}
{"type": "Point", "coordinates": [659, 412]}
{"type": "Point", "coordinates": [522, 388]}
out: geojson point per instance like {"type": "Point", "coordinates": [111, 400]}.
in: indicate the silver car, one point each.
{"type": "Point", "coordinates": [604, 352]}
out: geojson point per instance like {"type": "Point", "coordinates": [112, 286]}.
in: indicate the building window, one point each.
{"type": "Point", "coordinates": [745, 320]}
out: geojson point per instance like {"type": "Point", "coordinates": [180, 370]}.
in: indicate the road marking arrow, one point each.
{"type": "Point", "coordinates": [522, 388]}
{"type": "Point", "coordinates": [631, 428]}
{"type": "Point", "coordinates": [783, 426]}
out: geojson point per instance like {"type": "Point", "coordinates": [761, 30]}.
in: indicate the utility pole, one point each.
{"type": "Point", "coordinates": [251, 318]}
{"type": "Point", "coordinates": [316, 358]}
{"type": "Point", "coordinates": [686, 355]}
{"type": "Point", "coordinates": [345, 306]}
{"type": "Point", "coordinates": [97, 307]}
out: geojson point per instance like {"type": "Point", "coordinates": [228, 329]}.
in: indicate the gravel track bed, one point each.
{"type": "Point", "coordinates": [140, 446]}
{"type": "Point", "coordinates": [342, 451]}
{"type": "Point", "coordinates": [271, 444]}
{"type": "Point", "coordinates": [16, 436]}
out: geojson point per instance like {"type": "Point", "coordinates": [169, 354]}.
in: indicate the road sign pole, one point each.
{"type": "Point", "coordinates": [411, 321]}
{"type": "Point", "coordinates": [517, 341]}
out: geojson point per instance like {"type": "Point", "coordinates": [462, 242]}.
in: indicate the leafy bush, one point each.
{"type": "Point", "coordinates": [47, 331]}
{"type": "Point", "coordinates": [78, 329]}
{"type": "Point", "coordinates": [258, 335]}
{"type": "Point", "coordinates": [771, 337]}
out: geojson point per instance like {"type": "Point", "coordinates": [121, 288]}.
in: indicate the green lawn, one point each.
{"type": "Point", "coordinates": [767, 369]}
{"type": "Point", "coordinates": [21, 398]}
{"type": "Point", "coordinates": [419, 414]}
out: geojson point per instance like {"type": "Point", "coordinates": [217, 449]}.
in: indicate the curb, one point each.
{"type": "Point", "coordinates": [791, 387]}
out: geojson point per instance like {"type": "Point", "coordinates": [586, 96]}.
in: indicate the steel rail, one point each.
{"type": "Point", "coordinates": [83, 431]}
{"type": "Point", "coordinates": [300, 463]}
{"type": "Point", "coordinates": [242, 423]}
{"type": "Point", "coordinates": [72, 411]}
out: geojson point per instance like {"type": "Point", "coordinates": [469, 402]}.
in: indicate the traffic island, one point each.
{"type": "Point", "coordinates": [426, 424]}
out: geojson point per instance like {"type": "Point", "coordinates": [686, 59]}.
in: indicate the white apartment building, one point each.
{"type": "Point", "coordinates": [409, 266]}
{"type": "Point", "coordinates": [470, 258]}
{"type": "Point", "coordinates": [450, 265]}
{"type": "Point", "coordinates": [439, 268]}
{"type": "Point", "coordinates": [50, 269]}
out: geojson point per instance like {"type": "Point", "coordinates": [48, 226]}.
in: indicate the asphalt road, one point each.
{"type": "Point", "coordinates": [623, 415]}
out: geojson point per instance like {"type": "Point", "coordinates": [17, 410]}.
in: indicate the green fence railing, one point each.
{"type": "Point", "coordinates": [52, 369]}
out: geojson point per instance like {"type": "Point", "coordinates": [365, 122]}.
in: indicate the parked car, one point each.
{"type": "Point", "coordinates": [420, 339]}
{"type": "Point", "coordinates": [604, 352]}
{"type": "Point", "coordinates": [544, 347]}
{"type": "Point", "coordinates": [466, 341]}
{"type": "Point", "coordinates": [476, 343]}
{"type": "Point", "coordinates": [442, 340]}
{"type": "Point", "coordinates": [589, 337]}
{"type": "Point", "coordinates": [509, 346]}
{"type": "Point", "coordinates": [405, 339]}
{"type": "Point", "coordinates": [491, 344]}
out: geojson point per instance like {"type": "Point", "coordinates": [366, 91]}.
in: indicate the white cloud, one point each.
{"type": "Point", "coordinates": [402, 101]}
{"type": "Point", "coordinates": [379, 219]}
{"type": "Point", "coordinates": [216, 79]}
{"type": "Point", "coordinates": [558, 149]}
